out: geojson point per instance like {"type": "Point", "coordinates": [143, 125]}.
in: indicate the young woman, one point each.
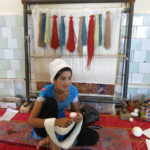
{"type": "Point", "coordinates": [52, 101]}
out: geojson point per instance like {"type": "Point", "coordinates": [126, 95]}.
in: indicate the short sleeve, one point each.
{"type": "Point", "coordinates": [74, 93]}
{"type": "Point", "coordinates": [45, 93]}
{"type": "Point", "coordinates": [75, 99]}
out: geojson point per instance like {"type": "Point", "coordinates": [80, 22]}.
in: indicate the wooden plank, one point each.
{"type": "Point", "coordinates": [71, 1]}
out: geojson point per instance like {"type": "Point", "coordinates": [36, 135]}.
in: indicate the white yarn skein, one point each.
{"type": "Point", "coordinates": [63, 131]}
{"type": "Point", "coordinates": [51, 129]}
{"type": "Point", "coordinates": [137, 131]}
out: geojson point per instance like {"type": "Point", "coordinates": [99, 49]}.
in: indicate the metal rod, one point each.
{"type": "Point", "coordinates": [131, 10]}
{"type": "Point", "coordinates": [26, 50]}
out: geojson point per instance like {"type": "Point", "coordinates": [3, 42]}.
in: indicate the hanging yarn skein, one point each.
{"type": "Point", "coordinates": [43, 28]}
{"type": "Point", "coordinates": [54, 40]}
{"type": "Point", "coordinates": [100, 29]}
{"type": "Point", "coordinates": [79, 47]}
{"type": "Point", "coordinates": [40, 42]}
{"type": "Point", "coordinates": [47, 30]}
{"type": "Point", "coordinates": [71, 36]}
{"type": "Point", "coordinates": [90, 41]}
{"type": "Point", "coordinates": [107, 33]}
{"type": "Point", "coordinates": [62, 34]}
{"type": "Point", "coordinates": [84, 32]}
{"type": "Point", "coordinates": [96, 31]}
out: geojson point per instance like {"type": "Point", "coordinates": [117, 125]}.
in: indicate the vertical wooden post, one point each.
{"type": "Point", "coordinates": [131, 10]}
{"type": "Point", "coordinates": [26, 49]}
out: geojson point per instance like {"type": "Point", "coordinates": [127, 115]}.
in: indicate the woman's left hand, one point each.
{"type": "Point", "coordinates": [78, 118]}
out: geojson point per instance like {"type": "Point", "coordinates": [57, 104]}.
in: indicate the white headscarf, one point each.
{"type": "Point", "coordinates": [55, 66]}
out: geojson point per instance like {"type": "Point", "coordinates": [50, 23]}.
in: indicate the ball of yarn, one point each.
{"type": "Point", "coordinates": [73, 114]}
{"type": "Point", "coordinates": [137, 131]}
{"type": "Point", "coordinates": [131, 119]}
{"type": "Point", "coordinates": [136, 110]}
{"type": "Point", "coordinates": [134, 114]}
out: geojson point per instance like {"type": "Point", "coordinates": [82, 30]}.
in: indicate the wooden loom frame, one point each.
{"type": "Point", "coordinates": [130, 11]}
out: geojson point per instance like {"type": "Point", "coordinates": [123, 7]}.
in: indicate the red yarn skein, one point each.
{"type": "Point", "coordinates": [71, 37]}
{"type": "Point", "coordinates": [90, 41]}
{"type": "Point", "coordinates": [55, 40]}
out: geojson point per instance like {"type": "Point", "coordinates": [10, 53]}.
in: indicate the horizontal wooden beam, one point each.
{"type": "Point", "coordinates": [72, 1]}
{"type": "Point", "coordinates": [72, 56]}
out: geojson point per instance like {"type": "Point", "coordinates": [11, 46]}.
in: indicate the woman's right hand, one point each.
{"type": "Point", "coordinates": [63, 122]}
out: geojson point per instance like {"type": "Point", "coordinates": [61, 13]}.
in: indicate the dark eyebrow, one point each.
{"type": "Point", "coordinates": [66, 77]}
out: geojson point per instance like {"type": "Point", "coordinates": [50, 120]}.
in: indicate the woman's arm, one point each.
{"type": "Point", "coordinates": [34, 121]}
{"type": "Point", "coordinates": [75, 107]}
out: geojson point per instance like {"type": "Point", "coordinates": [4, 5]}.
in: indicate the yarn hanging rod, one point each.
{"type": "Point", "coordinates": [125, 10]}
{"type": "Point", "coordinates": [67, 56]}
{"type": "Point", "coordinates": [38, 80]}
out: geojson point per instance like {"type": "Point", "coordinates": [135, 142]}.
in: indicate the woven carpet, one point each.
{"type": "Point", "coordinates": [16, 132]}
{"type": "Point", "coordinates": [20, 133]}
{"type": "Point", "coordinates": [106, 121]}
{"type": "Point", "coordinates": [113, 121]}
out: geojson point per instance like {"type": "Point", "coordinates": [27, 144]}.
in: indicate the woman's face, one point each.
{"type": "Point", "coordinates": [63, 81]}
